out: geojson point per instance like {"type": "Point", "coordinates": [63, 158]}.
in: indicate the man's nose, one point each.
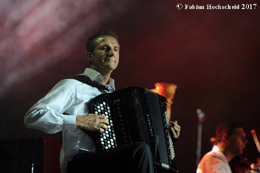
{"type": "Point", "coordinates": [111, 52]}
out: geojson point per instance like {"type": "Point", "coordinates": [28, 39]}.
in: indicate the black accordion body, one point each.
{"type": "Point", "coordinates": [135, 114]}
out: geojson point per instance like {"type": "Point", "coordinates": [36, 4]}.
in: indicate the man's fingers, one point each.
{"type": "Point", "coordinates": [173, 131]}
{"type": "Point", "coordinates": [175, 128]}
{"type": "Point", "coordinates": [100, 123]}
{"type": "Point", "coordinates": [92, 122]}
{"type": "Point", "coordinates": [175, 125]}
{"type": "Point", "coordinates": [102, 116]}
{"type": "Point", "coordinates": [103, 119]}
{"type": "Point", "coordinates": [103, 126]}
{"type": "Point", "coordinates": [100, 127]}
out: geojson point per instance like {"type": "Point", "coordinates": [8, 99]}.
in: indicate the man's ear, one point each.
{"type": "Point", "coordinates": [90, 56]}
{"type": "Point", "coordinates": [225, 138]}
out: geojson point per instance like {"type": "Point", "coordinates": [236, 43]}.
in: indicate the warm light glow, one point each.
{"type": "Point", "coordinates": [199, 171]}
{"type": "Point", "coordinates": [166, 90]}
{"type": "Point", "coordinates": [256, 140]}
{"type": "Point", "coordinates": [252, 166]}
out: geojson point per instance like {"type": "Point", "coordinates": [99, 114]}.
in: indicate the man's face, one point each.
{"type": "Point", "coordinates": [105, 57]}
{"type": "Point", "coordinates": [237, 141]}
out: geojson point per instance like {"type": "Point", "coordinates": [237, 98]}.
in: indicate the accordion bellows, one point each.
{"type": "Point", "coordinates": [135, 115]}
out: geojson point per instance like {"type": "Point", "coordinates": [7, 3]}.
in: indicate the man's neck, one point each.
{"type": "Point", "coordinates": [229, 156]}
{"type": "Point", "coordinates": [105, 73]}
{"type": "Point", "coordinates": [225, 151]}
{"type": "Point", "coordinates": [106, 78]}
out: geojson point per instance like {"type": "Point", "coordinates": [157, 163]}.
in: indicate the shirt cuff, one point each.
{"type": "Point", "coordinates": [69, 121]}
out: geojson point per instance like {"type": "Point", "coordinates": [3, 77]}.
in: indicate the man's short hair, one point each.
{"type": "Point", "coordinates": [227, 127]}
{"type": "Point", "coordinates": [90, 45]}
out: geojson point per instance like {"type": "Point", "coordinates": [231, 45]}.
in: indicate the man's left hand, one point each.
{"type": "Point", "coordinates": [176, 128]}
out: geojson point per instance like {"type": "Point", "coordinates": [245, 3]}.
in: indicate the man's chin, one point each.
{"type": "Point", "coordinates": [241, 151]}
{"type": "Point", "coordinates": [111, 67]}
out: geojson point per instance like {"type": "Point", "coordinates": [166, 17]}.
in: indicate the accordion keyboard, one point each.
{"type": "Point", "coordinates": [108, 138]}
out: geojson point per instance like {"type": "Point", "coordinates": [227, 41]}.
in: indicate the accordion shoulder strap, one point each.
{"type": "Point", "coordinates": [87, 80]}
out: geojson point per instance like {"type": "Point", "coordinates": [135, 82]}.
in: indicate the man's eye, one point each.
{"type": "Point", "coordinates": [103, 48]}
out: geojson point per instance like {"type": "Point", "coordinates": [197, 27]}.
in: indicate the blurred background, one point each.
{"type": "Point", "coordinates": [213, 57]}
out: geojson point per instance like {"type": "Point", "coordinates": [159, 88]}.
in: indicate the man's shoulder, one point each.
{"type": "Point", "coordinates": [213, 157]}
{"type": "Point", "coordinates": [67, 84]}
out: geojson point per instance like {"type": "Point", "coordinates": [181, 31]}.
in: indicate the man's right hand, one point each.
{"type": "Point", "coordinates": [92, 122]}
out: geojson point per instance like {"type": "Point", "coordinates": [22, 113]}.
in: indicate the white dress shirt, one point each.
{"type": "Point", "coordinates": [58, 109]}
{"type": "Point", "coordinates": [214, 162]}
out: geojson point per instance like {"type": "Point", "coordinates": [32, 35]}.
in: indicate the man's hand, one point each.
{"type": "Point", "coordinates": [92, 122]}
{"type": "Point", "coordinates": [176, 128]}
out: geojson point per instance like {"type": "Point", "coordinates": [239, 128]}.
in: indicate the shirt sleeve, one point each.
{"type": "Point", "coordinates": [48, 115]}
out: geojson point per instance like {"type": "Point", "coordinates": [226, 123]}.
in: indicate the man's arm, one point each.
{"type": "Point", "coordinates": [48, 115]}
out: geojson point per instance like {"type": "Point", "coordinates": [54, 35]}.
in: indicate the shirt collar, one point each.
{"type": "Point", "coordinates": [216, 149]}
{"type": "Point", "coordinates": [96, 76]}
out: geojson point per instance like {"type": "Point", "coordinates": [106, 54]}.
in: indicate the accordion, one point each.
{"type": "Point", "coordinates": [135, 114]}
